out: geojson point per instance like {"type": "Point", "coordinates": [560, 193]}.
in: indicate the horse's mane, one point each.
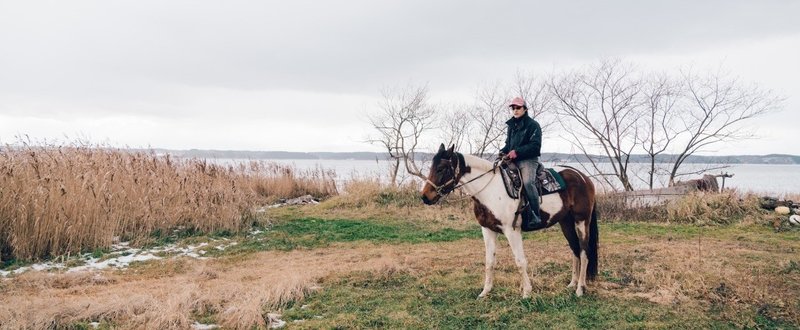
{"type": "Point", "coordinates": [477, 163]}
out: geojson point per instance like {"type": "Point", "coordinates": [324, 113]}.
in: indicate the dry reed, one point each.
{"type": "Point", "coordinates": [57, 199]}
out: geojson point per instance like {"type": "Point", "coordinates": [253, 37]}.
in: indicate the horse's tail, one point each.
{"type": "Point", "coordinates": [591, 253]}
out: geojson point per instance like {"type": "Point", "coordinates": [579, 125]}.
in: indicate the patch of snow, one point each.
{"type": "Point", "coordinates": [275, 321]}
{"type": "Point", "coordinates": [200, 326]}
{"type": "Point", "coordinates": [118, 262]}
{"type": "Point", "coordinates": [122, 255]}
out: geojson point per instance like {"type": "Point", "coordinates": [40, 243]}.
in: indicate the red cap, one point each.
{"type": "Point", "coordinates": [517, 101]}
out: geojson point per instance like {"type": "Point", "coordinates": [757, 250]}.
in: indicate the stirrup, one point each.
{"type": "Point", "coordinates": [527, 212]}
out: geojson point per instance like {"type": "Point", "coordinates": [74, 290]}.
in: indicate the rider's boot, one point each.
{"type": "Point", "coordinates": [534, 221]}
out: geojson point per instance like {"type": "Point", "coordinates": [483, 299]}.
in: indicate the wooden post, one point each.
{"type": "Point", "coordinates": [724, 176]}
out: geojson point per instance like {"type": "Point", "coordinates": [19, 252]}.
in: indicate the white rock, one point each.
{"type": "Point", "coordinates": [275, 321]}
{"type": "Point", "coordinates": [795, 220]}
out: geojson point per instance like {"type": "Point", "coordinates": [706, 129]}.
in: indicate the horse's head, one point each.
{"type": "Point", "coordinates": [447, 168]}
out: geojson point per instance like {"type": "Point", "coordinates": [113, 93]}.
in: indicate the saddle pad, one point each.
{"type": "Point", "coordinates": [512, 180]}
{"type": "Point", "coordinates": [550, 181]}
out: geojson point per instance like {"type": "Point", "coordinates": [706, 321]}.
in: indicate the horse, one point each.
{"type": "Point", "coordinates": [573, 208]}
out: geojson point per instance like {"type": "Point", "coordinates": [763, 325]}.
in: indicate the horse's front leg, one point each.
{"type": "Point", "coordinates": [515, 241]}
{"type": "Point", "coordinates": [490, 241]}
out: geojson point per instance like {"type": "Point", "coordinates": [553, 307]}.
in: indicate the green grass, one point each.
{"type": "Point", "coordinates": [437, 301]}
{"type": "Point", "coordinates": [619, 232]}
{"type": "Point", "coordinates": [308, 233]}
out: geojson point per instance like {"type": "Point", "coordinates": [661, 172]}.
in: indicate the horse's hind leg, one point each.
{"type": "Point", "coordinates": [490, 241]}
{"type": "Point", "coordinates": [568, 229]}
{"type": "Point", "coordinates": [582, 229]}
{"type": "Point", "coordinates": [515, 241]}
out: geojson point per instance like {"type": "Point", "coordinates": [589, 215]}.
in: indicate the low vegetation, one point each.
{"type": "Point", "coordinates": [700, 208]}
{"type": "Point", "coordinates": [368, 256]}
{"type": "Point", "coordinates": [68, 199]}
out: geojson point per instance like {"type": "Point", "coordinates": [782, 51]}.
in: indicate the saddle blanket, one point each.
{"type": "Point", "coordinates": [548, 181]}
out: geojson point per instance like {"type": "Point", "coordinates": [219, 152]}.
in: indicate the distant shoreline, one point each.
{"type": "Point", "coordinates": [776, 159]}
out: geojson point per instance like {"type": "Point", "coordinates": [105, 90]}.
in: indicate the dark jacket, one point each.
{"type": "Point", "coordinates": [524, 136]}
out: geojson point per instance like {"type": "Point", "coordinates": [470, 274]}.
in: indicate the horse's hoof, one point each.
{"type": "Point", "coordinates": [579, 291]}
{"type": "Point", "coordinates": [571, 284]}
{"type": "Point", "coordinates": [483, 295]}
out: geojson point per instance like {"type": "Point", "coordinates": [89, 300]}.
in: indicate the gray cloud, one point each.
{"type": "Point", "coordinates": [110, 48]}
{"type": "Point", "coordinates": [164, 58]}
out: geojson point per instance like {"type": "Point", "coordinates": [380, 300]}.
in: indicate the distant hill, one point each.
{"type": "Point", "coordinates": [548, 157]}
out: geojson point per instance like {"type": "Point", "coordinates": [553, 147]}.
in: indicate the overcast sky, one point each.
{"type": "Point", "coordinates": [300, 75]}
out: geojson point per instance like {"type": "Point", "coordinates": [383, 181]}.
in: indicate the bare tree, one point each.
{"type": "Point", "coordinates": [658, 129]}
{"type": "Point", "coordinates": [601, 104]}
{"type": "Point", "coordinates": [537, 95]}
{"type": "Point", "coordinates": [404, 116]}
{"type": "Point", "coordinates": [489, 118]}
{"type": "Point", "coordinates": [455, 125]}
{"type": "Point", "coordinates": [719, 107]}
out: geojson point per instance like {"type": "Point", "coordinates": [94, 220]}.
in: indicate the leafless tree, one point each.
{"type": "Point", "coordinates": [718, 107]}
{"type": "Point", "coordinates": [601, 105]}
{"type": "Point", "coordinates": [455, 125]}
{"type": "Point", "coordinates": [537, 95]}
{"type": "Point", "coordinates": [658, 130]}
{"type": "Point", "coordinates": [404, 116]}
{"type": "Point", "coordinates": [489, 116]}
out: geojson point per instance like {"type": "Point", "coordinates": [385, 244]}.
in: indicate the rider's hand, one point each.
{"type": "Point", "coordinates": [512, 154]}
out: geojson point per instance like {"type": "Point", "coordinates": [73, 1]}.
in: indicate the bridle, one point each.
{"type": "Point", "coordinates": [457, 170]}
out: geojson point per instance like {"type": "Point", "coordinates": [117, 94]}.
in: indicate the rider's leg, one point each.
{"type": "Point", "coordinates": [528, 170]}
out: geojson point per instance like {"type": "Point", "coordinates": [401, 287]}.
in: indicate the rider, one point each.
{"type": "Point", "coordinates": [523, 146]}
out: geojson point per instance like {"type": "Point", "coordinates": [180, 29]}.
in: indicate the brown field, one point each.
{"type": "Point", "coordinates": [684, 274]}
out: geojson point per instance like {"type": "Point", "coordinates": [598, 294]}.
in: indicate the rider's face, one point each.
{"type": "Point", "coordinates": [517, 111]}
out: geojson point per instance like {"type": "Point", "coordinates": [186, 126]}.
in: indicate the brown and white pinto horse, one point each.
{"type": "Point", "coordinates": [572, 208]}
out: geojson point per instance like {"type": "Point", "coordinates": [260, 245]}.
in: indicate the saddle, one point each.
{"type": "Point", "coordinates": [548, 181]}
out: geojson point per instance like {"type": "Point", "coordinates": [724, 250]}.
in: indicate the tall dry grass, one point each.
{"type": "Point", "coordinates": [57, 199]}
{"type": "Point", "coordinates": [272, 180]}
{"type": "Point", "coordinates": [699, 208]}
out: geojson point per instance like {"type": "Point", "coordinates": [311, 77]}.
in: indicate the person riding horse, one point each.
{"type": "Point", "coordinates": [523, 146]}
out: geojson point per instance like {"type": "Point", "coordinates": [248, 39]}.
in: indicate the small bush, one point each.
{"type": "Point", "coordinates": [709, 208]}
{"type": "Point", "coordinates": [613, 208]}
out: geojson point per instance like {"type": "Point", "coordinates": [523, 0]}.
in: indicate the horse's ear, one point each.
{"type": "Point", "coordinates": [452, 148]}
{"type": "Point", "coordinates": [441, 147]}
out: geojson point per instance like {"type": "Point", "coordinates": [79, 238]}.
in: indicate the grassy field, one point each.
{"type": "Point", "coordinates": [368, 256]}
{"type": "Point", "coordinates": [399, 266]}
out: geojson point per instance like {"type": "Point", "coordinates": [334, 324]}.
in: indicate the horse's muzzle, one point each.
{"type": "Point", "coordinates": [426, 200]}
{"type": "Point", "coordinates": [430, 201]}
